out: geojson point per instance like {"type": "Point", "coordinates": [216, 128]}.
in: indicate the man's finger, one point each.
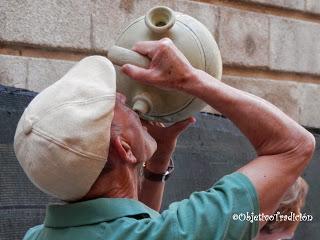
{"type": "Point", "coordinates": [147, 48]}
{"type": "Point", "coordinates": [136, 73]}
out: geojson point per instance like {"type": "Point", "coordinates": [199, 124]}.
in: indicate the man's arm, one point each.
{"type": "Point", "coordinates": [151, 192]}
{"type": "Point", "coordinates": [283, 147]}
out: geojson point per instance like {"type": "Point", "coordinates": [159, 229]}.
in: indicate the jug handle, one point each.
{"type": "Point", "coordinates": [120, 56]}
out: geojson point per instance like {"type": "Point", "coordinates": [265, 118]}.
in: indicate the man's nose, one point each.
{"type": "Point", "coordinates": [122, 98]}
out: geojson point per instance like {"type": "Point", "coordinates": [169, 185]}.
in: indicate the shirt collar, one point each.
{"type": "Point", "coordinates": [95, 211]}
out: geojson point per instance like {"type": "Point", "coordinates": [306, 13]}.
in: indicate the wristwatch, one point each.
{"type": "Point", "coordinates": [158, 177]}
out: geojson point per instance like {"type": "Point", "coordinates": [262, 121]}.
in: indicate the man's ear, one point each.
{"type": "Point", "coordinates": [123, 149]}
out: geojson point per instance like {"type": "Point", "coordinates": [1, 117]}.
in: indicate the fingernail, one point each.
{"type": "Point", "coordinates": [125, 68]}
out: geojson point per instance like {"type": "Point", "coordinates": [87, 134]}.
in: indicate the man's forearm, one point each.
{"type": "Point", "coordinates": [284, 148]}
{"type": "Point", "coordinates": [151, 192]}
{"type": "Point", "coordinates": [268, 129]}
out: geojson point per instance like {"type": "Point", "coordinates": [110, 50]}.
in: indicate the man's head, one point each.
{"type": "Point", "coordinates": [130, 146]}
{"type": "Point", "coordinates": [63, 137]}
{"type": "Point", "coordinates": [130, 140]}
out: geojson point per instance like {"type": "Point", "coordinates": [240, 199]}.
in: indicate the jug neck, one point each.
{"type": "Point", "coordinates": [160, 19]}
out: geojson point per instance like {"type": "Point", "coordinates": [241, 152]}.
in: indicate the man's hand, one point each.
{"type": "Point", "coordinates": [166, 138]}
{"type": "Point", "coordinates": [169, 68]}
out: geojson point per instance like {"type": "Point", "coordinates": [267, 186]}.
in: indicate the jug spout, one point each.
{"type": "Point", "coordinates": [160, 19]}
{"type": "Point", "coordinates": [142, 103]}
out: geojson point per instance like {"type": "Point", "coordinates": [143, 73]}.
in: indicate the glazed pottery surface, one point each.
{"type": "Point", "coordinates": [190, 36]}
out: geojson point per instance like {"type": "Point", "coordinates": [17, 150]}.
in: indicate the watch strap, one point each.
{"type": "Point", "coordinates": [158, 177]}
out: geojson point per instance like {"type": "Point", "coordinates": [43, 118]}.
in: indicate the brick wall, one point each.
{"type": "Point", "coordinates": [269, 47]}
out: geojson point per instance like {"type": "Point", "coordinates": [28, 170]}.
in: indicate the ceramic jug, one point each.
{"type": "Point", "coordinates": [190, 36]}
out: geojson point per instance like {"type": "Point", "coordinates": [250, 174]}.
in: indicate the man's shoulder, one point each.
{"type": "Point", "coordinates": [230, 195]}
{"type": "Point", "coordinates": [236, 185]}
{"type": "Point", "coordinates": [33, 232]}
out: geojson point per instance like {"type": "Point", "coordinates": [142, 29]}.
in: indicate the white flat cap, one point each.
{"type": "Point", "coordinates": [62, 139]}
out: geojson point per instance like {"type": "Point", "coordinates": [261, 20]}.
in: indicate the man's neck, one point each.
{"type": "Point", "coordinates": [125, 184]}
{"type": "Point", "coordinates": [122, 182]}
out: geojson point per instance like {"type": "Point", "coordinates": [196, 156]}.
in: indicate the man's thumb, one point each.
{"type": "Point", "coordinates": [182, 125]}
{"type": "Point", "coordinates": [135, 72]}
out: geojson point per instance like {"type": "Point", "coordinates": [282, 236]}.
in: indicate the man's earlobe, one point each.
{"type": "Point", "coordinates": [123, 149]}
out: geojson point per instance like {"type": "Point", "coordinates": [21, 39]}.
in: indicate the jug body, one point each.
{"type": "Point", "coordinates": [191, 37]}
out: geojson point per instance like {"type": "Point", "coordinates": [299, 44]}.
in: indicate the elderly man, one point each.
{"type": "Point", "coordinates": [80, 143]}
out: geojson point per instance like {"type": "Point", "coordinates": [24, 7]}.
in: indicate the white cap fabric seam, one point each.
{"type": "Point", "coordinates": [90, 100]}
{"type": "Point", "coordinates": [40, 133]}
{"type": "Point", "coordinates": [53, 140]}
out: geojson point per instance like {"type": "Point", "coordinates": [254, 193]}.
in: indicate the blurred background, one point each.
{"type": "Point", "coordinates": [270, 48]}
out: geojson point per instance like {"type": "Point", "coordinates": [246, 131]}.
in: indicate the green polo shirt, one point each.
{"type": "Point", "coordinates": [204, 215]}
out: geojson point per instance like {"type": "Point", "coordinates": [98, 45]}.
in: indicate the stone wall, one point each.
{"type": "Point", "coordinates": [269, 47]}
